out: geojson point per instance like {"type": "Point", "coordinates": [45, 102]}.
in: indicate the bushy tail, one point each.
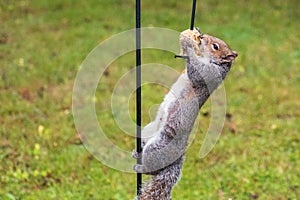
{"type": "Point", "coordinates": [161, 185]}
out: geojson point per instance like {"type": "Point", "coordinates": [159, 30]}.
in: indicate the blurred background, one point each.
{"type": "Point", "coordinates": [42, 44]}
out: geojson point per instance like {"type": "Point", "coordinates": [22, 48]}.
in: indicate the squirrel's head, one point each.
{"type": "Point", "coordinates": [206, 46]}
{"type": "Point", "coordinates": [216, 50]}
{"type": "Point", "coordinates": [210, 58]}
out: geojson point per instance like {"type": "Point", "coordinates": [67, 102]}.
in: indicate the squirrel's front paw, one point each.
{"type": "Point", "coordinates": [138, 168]}
{"type": "Point", "coordinates": [135, 154]}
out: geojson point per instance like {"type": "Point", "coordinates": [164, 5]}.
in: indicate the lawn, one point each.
{"type": "Point", "coordinates": [42, 45]}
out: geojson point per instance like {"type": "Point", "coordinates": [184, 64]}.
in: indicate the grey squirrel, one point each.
{"type": "Point", "coordinates": [165, 139]}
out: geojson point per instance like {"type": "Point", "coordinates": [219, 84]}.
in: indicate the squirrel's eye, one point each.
{"type": "Point", "coordinates": [215, 46]}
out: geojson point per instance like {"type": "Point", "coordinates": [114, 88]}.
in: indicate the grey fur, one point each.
{"type": "Point", "coordinates": [163, 153]}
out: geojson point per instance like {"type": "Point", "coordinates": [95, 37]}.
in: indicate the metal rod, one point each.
{"type": "Point", "coordinates": [138, 92]}
{"type": "Point", "coordinates": [193, 14]}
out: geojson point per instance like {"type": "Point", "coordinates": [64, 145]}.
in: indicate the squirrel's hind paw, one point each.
{"type": "Point", "coordinates": [135, 154]}
{"type": "Point", "coordinates": [138, 168]}
{"type": "Point", "coordinates": [143, 170]}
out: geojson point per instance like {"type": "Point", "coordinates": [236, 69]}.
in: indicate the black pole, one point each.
{"type": "Point", "coordinates": [138, 92]}
{"type": "Point", "coordinates": [193, 14]}
{"type": "Point", "coordinates": [191, 27]}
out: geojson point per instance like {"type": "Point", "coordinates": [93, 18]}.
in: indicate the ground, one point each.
{"type": "Point", "coordinates": [42, 44]}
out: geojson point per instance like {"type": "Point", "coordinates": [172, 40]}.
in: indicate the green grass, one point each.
{"type": "Point", "coordinates": [42, 44]}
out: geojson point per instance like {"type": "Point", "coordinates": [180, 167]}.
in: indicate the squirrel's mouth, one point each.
{"type": "Point", "coordinates": [229, 58]}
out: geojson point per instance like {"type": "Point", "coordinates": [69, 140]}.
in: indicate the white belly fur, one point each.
{"type": "Point", "coordinates": [152, 130]}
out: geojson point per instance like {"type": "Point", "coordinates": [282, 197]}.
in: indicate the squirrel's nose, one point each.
{"type": "Point", "coordinates": [232, 56]}
{"type": "Point", "coordinates": [235, 54]}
